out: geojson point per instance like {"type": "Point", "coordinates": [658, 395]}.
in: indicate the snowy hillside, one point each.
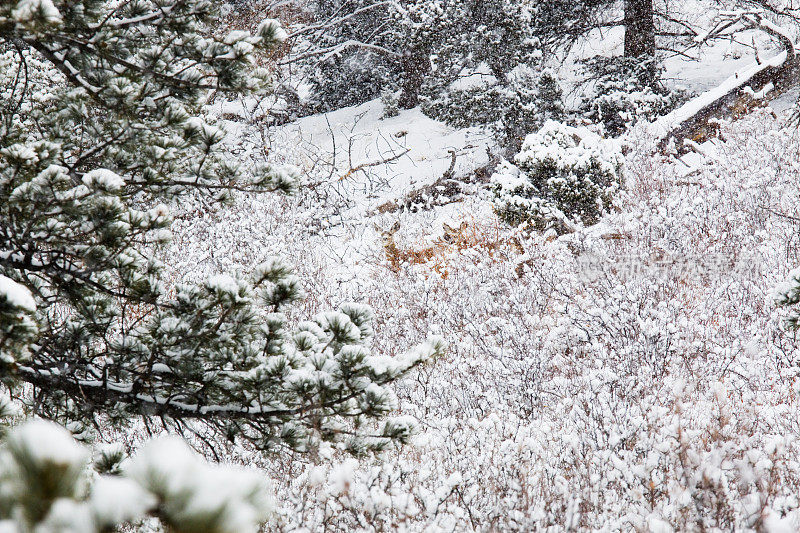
{"type": "Point", "coordinates": [643, 355]}
{"type": "Point", "coordinates": [399, 266]}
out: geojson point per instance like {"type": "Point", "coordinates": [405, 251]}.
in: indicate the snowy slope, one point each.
{"type": "Point", "coordinates": [628, 370]}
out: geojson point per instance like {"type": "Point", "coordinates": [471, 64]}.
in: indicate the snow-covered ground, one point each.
{"type": "Point", "coordinates": [359, 137]}
{"type": "Point", "coordinates": [603, 380]}
{"type": "Point", "coordinates": [631, 375]}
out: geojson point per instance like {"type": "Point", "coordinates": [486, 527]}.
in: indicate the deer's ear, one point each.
{"type": "Point", "coordinates": [447, 227]}
{"type": "Point", "coordinates": [463, 226]}
{"type": "Point", "coordinates": [395, 227]}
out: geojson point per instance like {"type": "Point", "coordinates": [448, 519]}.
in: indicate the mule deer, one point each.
{"type": "Point", "coordinates": [461, 237]}
{"type": "Point", "coordinates": [396, 255]}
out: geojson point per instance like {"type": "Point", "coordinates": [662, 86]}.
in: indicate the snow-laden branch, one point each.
{"type": "Point", "coordinates": [333, 21]}
{"type": "Point", "coordinates": [331, 51]}
{"type": "Point", "coordinates": [742, 78]}
{"type": "Point", "coordinates": [729, 22]}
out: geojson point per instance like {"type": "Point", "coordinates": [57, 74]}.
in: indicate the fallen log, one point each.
{"type": "Point", "coordinates": [751, 87]}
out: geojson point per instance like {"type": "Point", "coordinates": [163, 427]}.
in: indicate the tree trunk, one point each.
{"type": "Point", "coordinates": [640, 35]}
{"type": "Point", "coordinates": [416, 65]}
{"type": "Point", "coordinates": [640, 30]}
{"type": "Point", "coordinates": [747, 89]}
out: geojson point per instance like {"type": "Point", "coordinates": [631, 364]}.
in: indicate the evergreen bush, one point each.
{"type": "Point", "coordinates": [562, 176]}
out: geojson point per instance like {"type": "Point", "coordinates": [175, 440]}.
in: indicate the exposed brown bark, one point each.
{"type": "Point", "coordinates": [739, 101]}
{"type": "Point", "coordinates": [733, 105]}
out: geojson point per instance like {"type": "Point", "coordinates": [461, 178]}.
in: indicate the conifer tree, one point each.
{"type": "Point", "coordinates": [103, 120]}
{"type": "Point", "coordinates": [420, 46]}
{"type": "Point", "coordinates": [563, 177]}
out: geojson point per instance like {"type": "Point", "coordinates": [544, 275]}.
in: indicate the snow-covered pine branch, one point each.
{"type": "Point", "coordinates": [113, 125]}
{"type": "Point", "coordinates": [48, 483]}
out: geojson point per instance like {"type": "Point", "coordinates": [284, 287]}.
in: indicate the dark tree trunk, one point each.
{"type": "Point", "coordinates": [416, 65]}
{"type": "Point", "coordinates": [640, 30]}
{"type": "Point", "coordinates": [640, 35]}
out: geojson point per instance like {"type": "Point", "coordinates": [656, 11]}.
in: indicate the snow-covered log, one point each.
{"type": "Point", "coordinates": [748, 88]}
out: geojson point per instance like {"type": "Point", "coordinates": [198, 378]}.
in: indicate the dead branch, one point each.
{"type": "Point", "coordinates": [384, 161]}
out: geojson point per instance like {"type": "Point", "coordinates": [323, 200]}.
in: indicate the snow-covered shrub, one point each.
{"type": "Point", "coordinates": [511, 108]}
{"type": "Point", "coordinates": [644, 401]}
{"type": "Point", "coordinates": [562, 175]}
{"type": "Point", "coordinates": [47, 484]}
{"type": "Point", "coordinates": [625, 91]}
